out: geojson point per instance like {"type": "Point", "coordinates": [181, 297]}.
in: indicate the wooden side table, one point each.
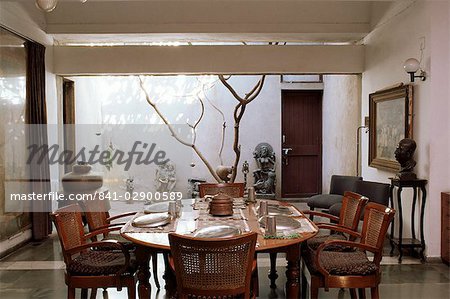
{"type": "Point", "coordinates": [401, 242]}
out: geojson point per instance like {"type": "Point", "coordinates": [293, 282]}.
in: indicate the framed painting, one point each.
{"type": "Point", "coordinates": [390, 120]}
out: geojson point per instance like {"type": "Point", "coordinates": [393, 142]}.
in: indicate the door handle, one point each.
{"type": "Point", "coordinates": [286, 151]}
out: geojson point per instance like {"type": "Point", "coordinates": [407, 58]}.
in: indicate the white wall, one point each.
{"type": "Point", "coordinates": [387, 47]}
{"type": "Point", "coordinates": [341, 110]}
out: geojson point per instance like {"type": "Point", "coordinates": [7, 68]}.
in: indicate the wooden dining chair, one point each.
{"type": "Point", "coordinates": [87, 267]}
{"type": "Point", "coordinates": [220, 267]}
{"type": "Point", "coordinates": [231, 189]}
{"type": "Point", "coordinates": [350, 269]}
{"type": "Point", "coordinates": [98, 217]}
{"type": "Point", "coordinates": [349, 217]}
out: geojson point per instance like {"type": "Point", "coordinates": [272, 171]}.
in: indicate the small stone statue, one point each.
{"type": "Point", "coordinates": [245, 170]}
{"type": "Point", "coordinates": [404, 155]}
{"type": "Point", "coordinates": [165, 178]}
{"type": "Point", "coordinates": [264, 176]}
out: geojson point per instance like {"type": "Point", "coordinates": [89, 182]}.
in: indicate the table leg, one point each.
{"type": "Point", "coordinates": [413, 213]}
{"type": "Point", "coordinates": [400, 223]}
{"type": "Point", "coordinates": [169, 277]}
{"type": "Point", "coordinates": [143, 258]}
{"type": "Point", "coordinates": [391, 199]}
{"type": "Point", "coordinates": [273, 270]}
{"type": "Point", "coordinates": [293, 271]}
{"type": "Point", "coordinates": [422, 212]}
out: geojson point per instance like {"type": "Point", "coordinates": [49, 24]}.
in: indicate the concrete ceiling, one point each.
{"type": "Point", "coordinates": [137, 22]}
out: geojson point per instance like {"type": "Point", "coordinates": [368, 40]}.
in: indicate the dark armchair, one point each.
{"type": "Point", "coordinates": [374, 191]}
{"type": "Point", "coordinates": [338, 186]}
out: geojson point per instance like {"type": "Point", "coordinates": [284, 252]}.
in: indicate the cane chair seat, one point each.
{"type": "Point", "coordinates": [315, 242]}
{"type": "Point", "coordinates": [95, 262]}
{"type": "Point", "coordinates": [342, 263]}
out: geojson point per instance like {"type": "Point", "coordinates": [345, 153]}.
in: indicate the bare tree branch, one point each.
{"type": "Point", "coordinates": [224, 126]}
{"type": "Point", "coordinates": [175, 135]}
{"type": "Point", "coordinates": [239, 113]}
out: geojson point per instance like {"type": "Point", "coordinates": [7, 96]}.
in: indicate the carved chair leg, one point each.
{"type": "Point", "coordinates": [70, 293]}
{"type": "Point", "coordinates": [155, 269]}
{"type": "Point", "coordinates": [84, 293]}
{"type": "Point", "coordinates": [374, 293]}
{"type": "Point", "coordinates": [362, 293]}
{"type": "Point", "coordinates": [93, 293]}
{"type": "Point", "coordinates": [304, 283]}
{"type": "Point", "coordinates": [131, 290]}
{"type": "Point", "coordinates": [105, 294]}
{"type": "Point", "coordinates": [353, 294]}
{"type": "Point", "coordinates": [314, 287]}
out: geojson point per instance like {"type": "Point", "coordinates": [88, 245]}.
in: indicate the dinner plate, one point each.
{"type": "Point", "coordinates": [284, 223]}
{"type": "Point", "coordinates": [157, 207]}
{"type": "Point", "coordinates": [218, 231]}
{"type": "Point", "coordinates": [152, 220]}
{"type": "Point", "coordinates": [277, 210]}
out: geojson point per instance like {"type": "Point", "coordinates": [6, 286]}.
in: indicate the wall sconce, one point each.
{"type": "Point", "coordinates": [46, 5]}
{"type": "Point", "coordinates": [49, 5]}
{"type": "Point", "coordinates": [411, 66]}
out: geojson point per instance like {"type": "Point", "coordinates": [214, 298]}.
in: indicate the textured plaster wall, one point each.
{"type": "Point", "coordinates": [341, 110]}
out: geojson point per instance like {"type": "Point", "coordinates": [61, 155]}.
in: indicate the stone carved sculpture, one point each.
{"type": "Point", "coordinates": [264, 175]}
{"type": "Point", "coordinates": [165, 179]}
{"type": "Point", "coordinates": [404, 155]}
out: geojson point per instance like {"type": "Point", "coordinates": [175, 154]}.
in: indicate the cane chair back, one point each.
{"type": "Point", "coordinates": [231, 189]}
{"type": "Point", "coordinates": [352, 206]}
{"type": "Point", "coordinates": [96, 213]}
{"type": "Point", "coordinates": [213, 267]}
{"type": "Point", "coordinates": [377, 218]}
{"type": "Point", "coordinates": [69, 225]}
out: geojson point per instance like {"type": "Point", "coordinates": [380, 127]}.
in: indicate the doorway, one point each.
{"type": "Point", "coordinates": [301, 114]}
{"type": "Point", "coordinates": [68, 119]}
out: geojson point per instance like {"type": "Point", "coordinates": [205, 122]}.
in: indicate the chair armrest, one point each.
{"type": "Point", "coordinates": [320, 214]}
{"type": "Point", "coordinates": [339, 228]}
{"type": "Point", "coordinates": [100, 231]}
{"type": "Point", "coordinates": [111, 225]}
{"type": "Point", "coordinates": [108, 244]}
{"type": "Point", "coordinates": [121, 215]}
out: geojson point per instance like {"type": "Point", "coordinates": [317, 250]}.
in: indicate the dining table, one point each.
{"type": "Point", "coordinates": [193, 215]}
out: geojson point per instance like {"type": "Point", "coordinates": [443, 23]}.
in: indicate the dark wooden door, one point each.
{"type": "Point", "coordinates": [301, 143]}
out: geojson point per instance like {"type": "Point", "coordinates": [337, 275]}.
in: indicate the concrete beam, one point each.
{"type": "Point", "coordinates": [208, 60]}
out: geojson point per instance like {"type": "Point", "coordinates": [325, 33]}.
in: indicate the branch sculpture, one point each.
{"type": "Point", "coordinates": [175, 135]}
{"type": "Point", "coordinates": [237, 115]}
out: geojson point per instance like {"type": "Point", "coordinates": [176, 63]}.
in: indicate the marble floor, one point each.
{"type": "Point", "coordinates": [37, 271]}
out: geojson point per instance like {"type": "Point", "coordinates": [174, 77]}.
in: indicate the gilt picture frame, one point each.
{"type": "Point", "coordinates": [390, 120]}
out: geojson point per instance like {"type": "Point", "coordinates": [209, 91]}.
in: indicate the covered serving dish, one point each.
{"type": "Point", "coordinates": [221, 205]}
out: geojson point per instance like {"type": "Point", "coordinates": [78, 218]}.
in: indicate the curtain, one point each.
{"type": "Point", "coordinates": [36, 113]}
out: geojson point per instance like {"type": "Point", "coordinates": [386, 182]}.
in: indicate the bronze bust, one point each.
{"type": "Point", "coordinates": [404, 155]}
